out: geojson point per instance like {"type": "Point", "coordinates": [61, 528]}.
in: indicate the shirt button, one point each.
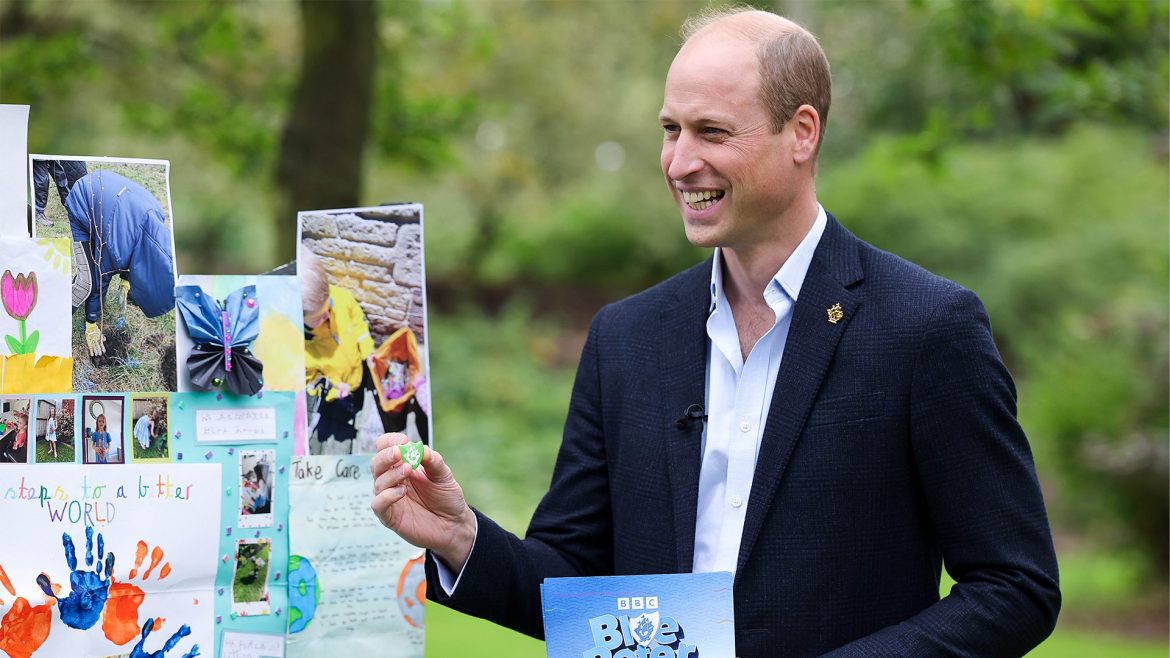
{"type": "Point", "coordinates": [736, 501]}
{"type": "Point", "coordinates": [745, 426]}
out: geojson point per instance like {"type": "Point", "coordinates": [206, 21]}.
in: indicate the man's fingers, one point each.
{"type": "Point", "coordinates": [385, 459]}
{"type": "Point", "coordinates": [391, 439]}
{"type": "Point", "coordinates": [388, 479]}
{"type": "Point", "coordinates": [436, 469]}
{"type": "Point", "coordinates": [383, 501]}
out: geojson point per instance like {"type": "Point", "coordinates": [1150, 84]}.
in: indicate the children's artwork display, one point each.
{"type": "Point", "coordinates": [353, 587]}
{"type": "Point", "coordinates": [116, 214]}
{"type": "Point", "coordinates": [250, 437]}
{"type": "Point", "coordinates": [107, 556]}
{"type": "Point", "coordinates": [148, 426]}
{"type": "Point", "coordinates": [682, 615]}
{"type": "Point", "coordinates": [364, 303]}
{"type": "Point", "coordinates": [35, 352]}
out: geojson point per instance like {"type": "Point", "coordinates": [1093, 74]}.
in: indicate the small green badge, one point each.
{"type": "Point", "coordinates": [412, 453]}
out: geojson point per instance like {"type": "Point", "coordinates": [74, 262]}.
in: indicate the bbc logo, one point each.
{"type": "Point", "coordinates": [637, 603]}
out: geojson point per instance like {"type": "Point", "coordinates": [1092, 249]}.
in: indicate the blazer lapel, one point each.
{"type": "Point", "coordinates": [812, 340]}
{"type": "Point", "coordinates": [683, 364]}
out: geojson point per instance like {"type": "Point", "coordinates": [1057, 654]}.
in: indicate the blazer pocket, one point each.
{"type": "Point", "coordinates": [847, 409]}
{"type": "Point", "coordinates": [753, 642]}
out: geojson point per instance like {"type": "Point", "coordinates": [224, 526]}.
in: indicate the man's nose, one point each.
{"type": "Point", "coordinates": [685, 157]}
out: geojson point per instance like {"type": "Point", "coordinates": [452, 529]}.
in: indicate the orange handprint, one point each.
{"type": "Point", "coordinates": [120, 618]}
{"type": "Point", "coordinates": [25, 628]}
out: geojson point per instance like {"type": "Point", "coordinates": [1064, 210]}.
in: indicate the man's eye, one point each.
{"type": "Point", "coordinates": [669, 128]}
{"type": "Point", "coordinates": [712, 131]}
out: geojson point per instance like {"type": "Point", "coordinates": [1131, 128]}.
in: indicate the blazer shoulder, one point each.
{"type": "Point", "coordinates": [905, 284]}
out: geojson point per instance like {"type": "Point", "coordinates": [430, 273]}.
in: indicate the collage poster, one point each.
{"type": "Point", "coordinates": [166, 438]}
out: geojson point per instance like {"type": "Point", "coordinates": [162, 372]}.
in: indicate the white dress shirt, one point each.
{"type": "Point", "coordinates": [739, 394]}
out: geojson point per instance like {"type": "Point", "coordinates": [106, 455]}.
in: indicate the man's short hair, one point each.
{"type": "Point", "coordinates": [792, 66]}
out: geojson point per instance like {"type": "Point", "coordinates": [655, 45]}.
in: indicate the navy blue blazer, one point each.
{"type": "Point", "coordinates": [891, 448]}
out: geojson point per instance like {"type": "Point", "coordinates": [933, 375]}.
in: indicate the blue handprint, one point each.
{"type": "Point", "coordinates": [139, 652]}
{"type": "Point", "coordinates": [83, 607]}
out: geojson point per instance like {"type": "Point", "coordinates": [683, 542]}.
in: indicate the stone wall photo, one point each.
{"type": "Point", "coordinates": [375, 253]}
{"type": "Point", "coordinates": [354, 395]}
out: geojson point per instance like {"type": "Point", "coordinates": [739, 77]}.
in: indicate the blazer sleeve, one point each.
{"type": "Point", "coordinates": [571, 531]}
{"type": "Point", "coordinates": [983, 499]}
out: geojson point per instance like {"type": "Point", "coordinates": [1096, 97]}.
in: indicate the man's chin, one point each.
{"type": "Point", "coordinates": [701, 236]}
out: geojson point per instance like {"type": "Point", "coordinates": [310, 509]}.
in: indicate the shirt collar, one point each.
{"type": "Point", "coordinates": [790, 276]}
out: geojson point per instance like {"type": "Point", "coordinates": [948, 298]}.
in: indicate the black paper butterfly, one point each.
{"type": "Point", "coordinates": [223, 333]}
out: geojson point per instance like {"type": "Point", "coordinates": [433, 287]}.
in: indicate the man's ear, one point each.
{"type": "Point", "coordinates": [805, 125]}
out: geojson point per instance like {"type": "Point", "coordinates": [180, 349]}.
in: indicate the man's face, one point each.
{"type": "Point", "coordinates": [728, 172]}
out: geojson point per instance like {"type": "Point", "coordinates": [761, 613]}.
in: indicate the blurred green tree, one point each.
{"type": "Point", "coordinates": [1070, 252]}
{"type": "Point", "coordinates": [322, 146]}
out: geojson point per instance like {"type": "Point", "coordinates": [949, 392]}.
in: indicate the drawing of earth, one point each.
{"type": "Point", "coordinates": [412, 591]}
{"type": "Point", "coordinates": [303, 593]}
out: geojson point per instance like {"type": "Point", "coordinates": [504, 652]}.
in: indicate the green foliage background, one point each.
{"type": "Point", "coordinates": [1018, 147]}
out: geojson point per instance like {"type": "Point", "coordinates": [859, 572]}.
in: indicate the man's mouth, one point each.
{"type": "Point", "coordinates": [702, 200]}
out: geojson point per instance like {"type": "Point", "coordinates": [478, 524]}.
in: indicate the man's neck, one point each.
{"type": "Point", "coordinates": [747, 272]}
{"type": "Point", "coordinates": [748, 269]}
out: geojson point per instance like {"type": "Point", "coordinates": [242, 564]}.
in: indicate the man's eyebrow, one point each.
{"type": "Point", "coordinates": [665, 116]}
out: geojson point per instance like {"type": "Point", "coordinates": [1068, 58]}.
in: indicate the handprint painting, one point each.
{"type": "Point", "coordinates": [109, 562]}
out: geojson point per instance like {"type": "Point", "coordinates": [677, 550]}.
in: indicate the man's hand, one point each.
{"type": "Point", "coordinates": [94, 339]}
{"type": "Point", "coordinates": [424, 506]}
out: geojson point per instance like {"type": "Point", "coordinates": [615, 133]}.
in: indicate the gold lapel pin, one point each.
{"type": "Point", "coordinates": [835, 313]}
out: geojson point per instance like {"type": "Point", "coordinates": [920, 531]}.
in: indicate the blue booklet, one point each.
{"type": "Point", "coordinates": [684, 615]}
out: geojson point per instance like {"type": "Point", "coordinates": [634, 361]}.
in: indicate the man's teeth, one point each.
{"type": "Point", "coordinates": [702, 200]}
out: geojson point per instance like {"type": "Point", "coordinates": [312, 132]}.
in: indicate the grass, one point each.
{"type": "Point", "coordinates": [1075, 643]}
{"type": "Point", "coordinates": [250, 592]}
{"type": "Point", "coordinates": [65, 452]}
{"type": "Point", "coordinates": [139, 347]}
{"type": "Point", "coordinates": [157, 449]}
{"type": "Point", "coordinates": [451, 633]}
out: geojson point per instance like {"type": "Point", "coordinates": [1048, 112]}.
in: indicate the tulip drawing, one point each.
{"type": "Point", "coordinates": [19, 294]}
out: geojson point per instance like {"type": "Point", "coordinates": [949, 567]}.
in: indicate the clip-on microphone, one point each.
{"type": "Point", "coordinates": [693, 412]}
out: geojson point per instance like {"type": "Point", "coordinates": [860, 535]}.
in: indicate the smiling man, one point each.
{"type": "Point", "coordinates": [829, 422]}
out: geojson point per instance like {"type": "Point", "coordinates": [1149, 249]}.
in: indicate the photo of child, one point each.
{"type": "Point", "coordinates": [54, 430]}
{"type": "Point", "coordinates": [14, 430]}
{"type": "Point", "coordinates": [149, 418]}
{"type": "Point", "coordinates": [256, 488]}
{"type": "Point", "coordinates": [103, 429]}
